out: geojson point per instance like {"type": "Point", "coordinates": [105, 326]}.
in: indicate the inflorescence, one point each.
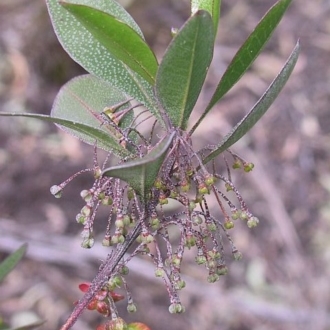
{"type": "Point", "coordinates": [186, 185]}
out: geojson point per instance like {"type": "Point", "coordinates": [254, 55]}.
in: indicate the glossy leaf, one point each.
{"type": "Point", "coordinates": [259, 109]}
{"type": "Point", "coordinates": [182, 71]}
{"type": "Point", "coordinates": [212, 6]}
{"type": "Point", "coordinates": [86, 50]}
{"type": "Point", "coordinates": [247, 53]}
{"type": "Point", "coordinates": [7, 265]}
{"type": "Point", "coordinates": [83, 99]}
{"type": "Point", "coordinates": [141, 174]}
{"type": "Point", "coordinates": [104, 140]}
{"type": "Point", "coordinates": [118, 38]}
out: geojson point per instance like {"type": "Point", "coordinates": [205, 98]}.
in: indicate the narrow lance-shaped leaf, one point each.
{"type": "Point", "coordinates": [11, 261]}
{"type": "Point", "coordinates": [182, 71]}
{"type": "Point", "coordinates": [86, 50]}
{"type": "Point", "coordinates": [212, 6]}
{"type": "Point", "coordinates": [83, 99]}
{"type": "Point", "coordinates": [103, 139]}
{"type": "Point", "coordinates": [247, 53]}
{"type": "Point", "coordinates": [259, 109]}
{"type": "Point", "coordinates": [141, 174]}
{"type": "Point", "coordinates": [122, 41]}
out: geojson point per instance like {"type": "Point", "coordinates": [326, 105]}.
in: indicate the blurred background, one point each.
{"type": "Point", "coordinates": [282, 281]}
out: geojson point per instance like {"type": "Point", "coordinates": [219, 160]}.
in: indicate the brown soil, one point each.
{"type": "Point", "coordinates": [282, 281]}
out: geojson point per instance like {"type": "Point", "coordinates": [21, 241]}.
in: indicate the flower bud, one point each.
{"type": "Point", "coordinates": [229, 225]}
{"type": "Point", "coordinates": [126, 220]}
{"type": "Point", "coordinates": [119, 223]}
{"type": "Point", "coordinates": [211, 264]}
{"type": "Point", "coordinates": [248, 167]}
{"type": "Point", "coordinates": [148, 239]}
{"type": "Point", "coordinates": [235, 214]}
{"type": "Point", "coordinates": [97, 172]}
{"type": "Point", "coordinates": [190, 241]}
{"type": "Point", "coordinates": [179, 285]}
{"type": "Point", "coordinates": [176, 308]}
{"type": "Point", "coordinates": [176, 261]}
{"type": "Point", "coordinates": [252, 222]}
{"type": "Point", "coordinates": [124, 270]}
{"type": "Point", "coordinates": [211, 226]}
{"type": "Point", "coordinates": [190, 172]}
{"type": "Point", "coordinates": [158, 184]}
{"type": "Point", "coordinates": [115, 282]}
{"type": "Point", "coordinates": [154, 223]}
{"type": "Point", "coordinates": [228, 187]}
{"type": "Point", "coordinates": [80, 218]}
{"type": "Point", "coordinates": [87, 243]}
{"type": "Point", "coordinates": [56, 191]}
{"type": "Point", "coordinates": [213, 278]}
{"type": "Point", "coordinates": [114, 240]}
{"type": "Point", "coordinates": [86, 211]}
{"type": "Point", "coordinates": [86, 195]}
{"type": "Point", "coordinates": [106, 241]}
{"type": "Point", "coordinates": [185, 186]}
{"type": "Point", "coordinates": [244, 215]}
{"type": "Point", "coordinates": [174, 194]}
{"type": "Point", "coordinates": [237, 164]}
{"type": "Point", "coordinates": [159, 272]}
{"type": "Point", "coordinates": [107, 200]}
{"type": "Point", "coordinates": [209, 180]}
{"type": "Point", "coordinates": [200, 260]}
{"type": "Point", "coordinates": [101, 195]}
{"type": "Point", "coordinates": [237, 255]}
{"type": "Point", "coordinates": [163, 201]}
{"type": "Point", "coordinates": [222, 270]}
{"type": "Point", "coordinates": [131, 308]}
{"type": "Point", "coordinates": [203, 189]}
{"type": "Point", "coordinates": [121, 239]}
{"type": "Point", "coordinates": [197, 220]}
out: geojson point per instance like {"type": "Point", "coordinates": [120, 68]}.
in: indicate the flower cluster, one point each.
{"type": "Point", "coordinates": [180, 197]}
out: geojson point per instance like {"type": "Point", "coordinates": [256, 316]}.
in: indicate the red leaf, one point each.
{"type": "Point", "coordinates": [84, 286]}
{"type": "Point", "coordinates": [116, 296]}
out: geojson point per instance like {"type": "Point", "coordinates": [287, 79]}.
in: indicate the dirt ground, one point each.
{"type": "Point", "coordinates": [282, 281]}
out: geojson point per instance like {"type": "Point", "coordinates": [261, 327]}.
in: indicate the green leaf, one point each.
{"type": "Point", "coordinates": [212, 6]}
{"type": "Point", "coordinates": [108, 6]}
{"type": "Point", "coordinates": [247, 53]}
{"type": "Point", "coordinates": [182, 71]}
{"type": "Point", "coordinates": [118, 38]}
{"type": "Point", "coordinates": [104, 140]}
{"type": "Point", "coordinates": [94, 57]}
{"type": "Point", "coordinates": [82, 100]}
{"type": "Point", "coordinates": [11, 261]}
{"type": "Point", "coordinates": [260, 108]}
{"type": "Point", "coordinates": [141, 174]}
